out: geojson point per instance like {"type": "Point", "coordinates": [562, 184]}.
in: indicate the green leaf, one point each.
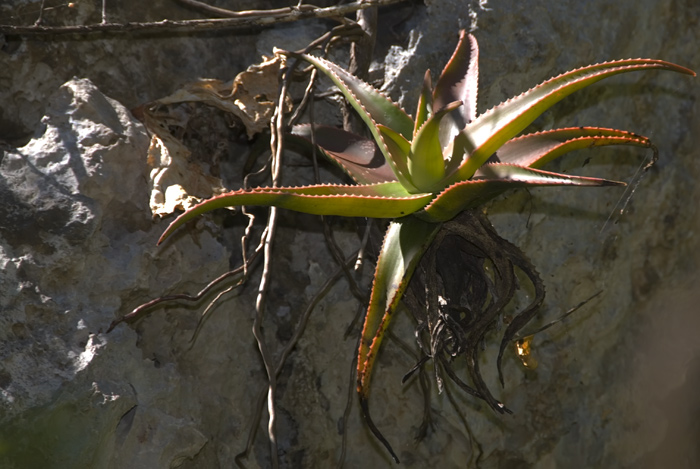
{"type": "Point", "coordinates": [426, 164]}
{"type": "Point", "coordinates": [425, 103]}
{"type": "Point", "coordinates": [385, 200]}
{"type": "Point", "coordinates": [492, 129]}
{"type": "Point", "coordinates": [359, 157]}
{"type": "Point", "coordinates": [459, 81]}
{"type": "Point", "coordinates": [461, 145]}
{"type": "Point", "coordinates": [536, 150]}
{"type": "Point", "coordinates": [497, 178]}
{"type": "Point", "coordinates": [398, 149]}
{"type": "Point", "coordinates": [404, 243]}
{"type": "Point", "coordinates": [372, 106]}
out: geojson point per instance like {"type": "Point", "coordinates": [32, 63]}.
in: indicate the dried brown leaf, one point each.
{"type": "Point", "coordinates": [176, 182]}
{"type": "Point", "coordinates": [251, 96]}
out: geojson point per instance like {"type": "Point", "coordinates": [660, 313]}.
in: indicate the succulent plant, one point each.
{"type": "Point", "coordinates": [425, 170]}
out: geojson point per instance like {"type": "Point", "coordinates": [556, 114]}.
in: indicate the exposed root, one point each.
{"type": "Point", "coordinates": [459, 293]}
{"type": "Point", "coordinates": [375, 431]}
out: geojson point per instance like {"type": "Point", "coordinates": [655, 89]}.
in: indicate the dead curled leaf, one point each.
{"type": "Point", "coordinates": [178, 182]}
{"type": "Point", "coordinates": [251, 96]}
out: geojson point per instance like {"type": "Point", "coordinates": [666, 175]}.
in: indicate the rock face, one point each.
{"type": "Point", "coordinates": [76, 235]}
{"type": "Point", "coordinates": [615, 382]}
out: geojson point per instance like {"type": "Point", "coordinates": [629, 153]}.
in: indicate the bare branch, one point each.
{"type": "Point", "coordinates": [277, 128]}
{"type": "Point", "coordinates": [145, 308]}
{"type": "Point", "coordinates": [348, 407]}
{"type": "Point", "coordinates": [104, 12]}
{"type": "Point", "coordinates": [40, 19]}
{"type": "Point", "coordinates": [226, 13]}
{"type": "Point", "coordinates": [320, 294]}
{"type": "Point", "coordinates": [244, 19]}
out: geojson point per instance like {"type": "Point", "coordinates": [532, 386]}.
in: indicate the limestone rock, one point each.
{"type": "Point", "coordinates": [77, 249]}
{"type": "Point", "coordinates": [75, 245]}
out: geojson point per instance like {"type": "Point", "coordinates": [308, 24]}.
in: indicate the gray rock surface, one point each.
{"type": "Point", "coordinates": [615, 385]}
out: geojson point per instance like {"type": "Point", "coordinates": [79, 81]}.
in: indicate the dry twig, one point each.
{"type": "Point", "coordinates": [243, 20]}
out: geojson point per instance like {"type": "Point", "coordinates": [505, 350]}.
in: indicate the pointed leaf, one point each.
{"type": "Point", "coordinates": [492, 129]}
{"type": "Point", "coordinates": [536, 150]}
{"type": "Point", "coordinates": [359, 157]}
{"type": "Point", "coordinates": [398, 149]}
{"type": "Point", "coordinates": [425, 103]}
{"type": "Point", "coordinates": [459, 81]}
{"type": "Point", "coordinates": [372, 106]}
{"type": "Point", "coordinates": [497, 178]}
{"type": "Point", "coordinates": [426, 164]}
{"type": "Point", "coordinates": [460, 146]}
{"type": "Point", "coordinates": [385, 200]}
{"type": "Point", "coordinates": [405, 242]}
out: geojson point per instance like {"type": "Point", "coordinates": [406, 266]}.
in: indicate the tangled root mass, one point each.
{"type": "Point", "coordinates": [460, 292]}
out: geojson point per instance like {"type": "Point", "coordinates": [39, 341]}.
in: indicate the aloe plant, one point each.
{"type": "Point", "coordinates": [424, 170]}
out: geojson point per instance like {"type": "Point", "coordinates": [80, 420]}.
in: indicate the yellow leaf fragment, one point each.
{"type": "Point", "coordinates": [524, 351]}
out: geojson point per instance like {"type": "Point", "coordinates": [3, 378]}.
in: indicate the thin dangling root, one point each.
{"type": "Point", "coordinates": [365, 412]}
